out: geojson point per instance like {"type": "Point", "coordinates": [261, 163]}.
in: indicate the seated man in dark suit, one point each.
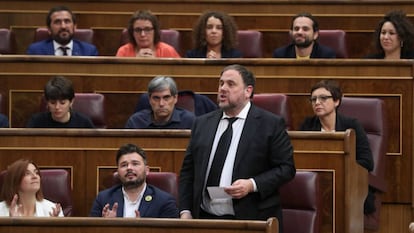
{"type": "Point", "coordinates": [134, 197]}
{"type": "Point", "coordinates": [202, 104]}
{"type": "Point", "coordinates": [61, 23]}
{"type": "Point", "coordinates": [163, 114]}
{"type": "Point", "coordinates": [4, 121]}
{"type": "Point", "coordinates": [304, 34]}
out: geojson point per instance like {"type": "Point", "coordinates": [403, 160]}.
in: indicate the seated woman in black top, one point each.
{"type": "Point", "coordinates": [214, 36]}
{"type": "Point", "coordinates": [59, 95]}
{"type": "Point", "coordinates": [326, 97]}
{"type": "Point", "coordinates": [394, 37]}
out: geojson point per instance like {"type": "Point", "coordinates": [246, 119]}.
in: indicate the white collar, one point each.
{"type": "Point", "coordinates": [242, 114]}
{"type": "Point", "coordinates": [56, 45]}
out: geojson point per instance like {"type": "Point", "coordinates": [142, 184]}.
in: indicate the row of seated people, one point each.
{"type": "Point", "coordinates": [55, 185]}
{"type": "Point", "coordinates": [326, 98]}
{"type": "Point", "coordinates": [250, 42]}
{"type": "Point", "coordinates": [161, 103]}
{"type": "Point", "coordinates": [215, 36]}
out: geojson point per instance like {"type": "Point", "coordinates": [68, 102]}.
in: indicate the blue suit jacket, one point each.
{"type": "Point", "coordinates": [318, 51]}
{"type": "Point", "coordinates": [154, 204]}
{"type": "Point", "coordinates": [45, 47]}
{"type": "Point", "coordinates": [4, 121]}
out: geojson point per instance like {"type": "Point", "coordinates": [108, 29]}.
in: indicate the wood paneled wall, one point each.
{"type": "Point", "coordinates": [272, 18]}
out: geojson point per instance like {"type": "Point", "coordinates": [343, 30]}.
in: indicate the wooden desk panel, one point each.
{"type": "Point", "coordinates": [91, 153]}
{"type": "Point", "coordinates": [144, 225]}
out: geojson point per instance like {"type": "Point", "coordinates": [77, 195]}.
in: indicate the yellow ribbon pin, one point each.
{"type": "Point", "coordinates": [148, 198]}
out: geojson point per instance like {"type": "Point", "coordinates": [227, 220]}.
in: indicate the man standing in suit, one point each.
{"type": "Point", "coordinates": [257, 162]}
{"type": "Point", "coordinates": [61, 24]}
{"type": "Point", "coordinates": [304, 34]}
{"type": "Point", "coordinates": [134, 197]}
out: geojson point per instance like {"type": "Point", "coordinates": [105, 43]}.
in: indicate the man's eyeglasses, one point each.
{"type": "Point", "coordinates": [146, 30]}
{"type": "Point", "coordinates": [321, 98]}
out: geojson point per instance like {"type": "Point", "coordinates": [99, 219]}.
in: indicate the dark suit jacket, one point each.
{"type": "Point", "coordinates": [404, 55]}
{"type": "Point", "coordinates": [45, 47]}
{"type": "Point", "coordinates": [202, 104]}
{"type": "Point", "coordinates": [264, 153]}
{"type": "Point", "coordinates": [155, 203]}
{"type": "Point", "coordinates": [4, 121]}
{"type": "Point", "coordinates": [318, 51]}
{"type": "Point", "coordinates": [202, 53]}
{"type": "Point", "coordinates": [363, 151]}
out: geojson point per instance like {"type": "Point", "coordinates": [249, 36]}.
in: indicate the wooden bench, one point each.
{"type": "Point", "coordinates": [125, 225]}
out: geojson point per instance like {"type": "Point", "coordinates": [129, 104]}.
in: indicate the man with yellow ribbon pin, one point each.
{"type": "Point", "coordinates": [133, 197]}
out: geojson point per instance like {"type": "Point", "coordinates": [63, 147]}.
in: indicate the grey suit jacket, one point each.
{"type": "Point", "coordinates": [264, 153]}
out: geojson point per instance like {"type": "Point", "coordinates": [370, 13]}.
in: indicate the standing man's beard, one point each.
{"type": "Point", "coordinates": [304, 44]}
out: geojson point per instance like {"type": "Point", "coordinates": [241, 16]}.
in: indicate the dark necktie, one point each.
{"type": "Point", "coordinates": [220, 155]}
{"type": "Point", "coordinates": [64, 50]}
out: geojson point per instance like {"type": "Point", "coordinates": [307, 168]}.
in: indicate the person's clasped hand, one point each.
{"type": "Point", "coordinates": [15, 209]}
{"type": "Point", "coordinates": [240, 188]}
{"type": "Point", "coordinates": [107, 212]}
{"type": "Point", "coordinates": [146, 52]}
{"type": "Point", "coordinates": [411, 227]}
{"type": "Point", "coordinates": [211, 54]}
{"type": "Point", "coordinates": [56, 211]}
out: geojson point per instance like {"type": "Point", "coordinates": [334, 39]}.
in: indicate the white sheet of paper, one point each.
{"type": "Point", "coordinates": [217, 193]}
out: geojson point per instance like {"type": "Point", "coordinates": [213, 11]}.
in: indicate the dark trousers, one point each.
{"type": "Point", "coordinates": [266, 212]}
{"type": "Point", "coordinates": [205, 215]}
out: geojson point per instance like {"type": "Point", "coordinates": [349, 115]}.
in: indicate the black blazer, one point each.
{"type": "Point", "coordinates": [318, 51]}
{"type": "Point", "coordinates": [406, 55]}
{"type": "Point", "coordinates": [363, 151]}
{"type": "Point", "coordinates": [265, 153]}
{"type": "Point", "coordinates": [202, 53]}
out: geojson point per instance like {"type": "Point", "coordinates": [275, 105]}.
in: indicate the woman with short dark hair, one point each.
{"type": "Point", "coordinates": [59, 95]}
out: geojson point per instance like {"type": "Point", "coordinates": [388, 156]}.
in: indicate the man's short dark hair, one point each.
{"type": "Point", "coordinates": [315, 25]}
{"type": "Point", "coordinates": [130, 148]}
{"type": "Point", "coordinates": [247, 76]}
{"type": "Point", "coordinates": [56, 9]}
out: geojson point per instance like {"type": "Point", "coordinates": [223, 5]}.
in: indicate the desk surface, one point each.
{"type": "Point", "coordinates": [121, 225]}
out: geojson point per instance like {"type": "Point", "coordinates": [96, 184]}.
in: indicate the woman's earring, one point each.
{"type": "Point", "coordinates": [402, 44]}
